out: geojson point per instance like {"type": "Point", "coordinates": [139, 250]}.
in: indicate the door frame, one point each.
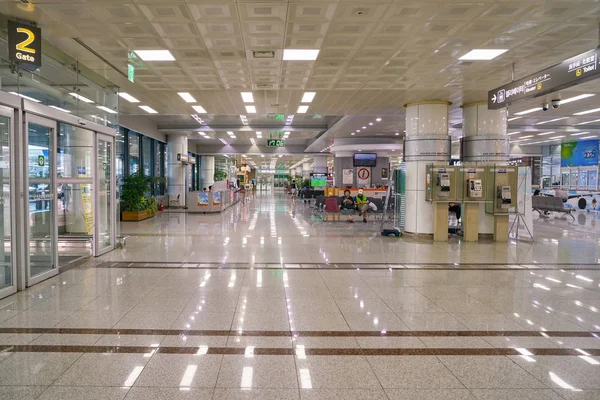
{"type": "Point", "coordinates": [52, 124]}
{"type": "Point", "coordinates": [113, 198]}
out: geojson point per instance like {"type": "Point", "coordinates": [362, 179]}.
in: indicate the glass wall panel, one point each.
{"type": "Point", "coordinates": [75, 215]}
{"type": "Point", "coordinates": [120, 156]}
{"type": "Point", "coordinates": [104, 199]}
{"type": "Point", "coordinates": [74, 152]}
{"type": "Point", "coordinates": [147, 155]}
{"type": "Point", "coordinates": [159, 166]}
{"type": "Point", "coordinates": [134, 152]}
{"type": "Point", "coordinates": [6, 278]}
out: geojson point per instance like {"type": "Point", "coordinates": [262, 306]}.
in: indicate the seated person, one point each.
{"type": "Point", "coordinates": [455, 208]}
{"type": "Point", "coordinates": [362, 204]}
{"type": "Point", "coordinates": [348, 204]}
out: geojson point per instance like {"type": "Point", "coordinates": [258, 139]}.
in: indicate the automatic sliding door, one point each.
{"type": "Point", "coordinates": [7, 269]}
{"type": "Point", "coordinates": [105, 203]}
{"type": "Point", "coordinates": [41, 200]}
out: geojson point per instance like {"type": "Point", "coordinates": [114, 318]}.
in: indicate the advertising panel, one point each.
{"type": "Point", "coordinates": [202, 198]}
{"type": "Point", "coordinates": [579, 154]}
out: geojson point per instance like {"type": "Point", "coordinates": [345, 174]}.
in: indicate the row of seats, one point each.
{"type": "Point", "coordinates": [320, 202]}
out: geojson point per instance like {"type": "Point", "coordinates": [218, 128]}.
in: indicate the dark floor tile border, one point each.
{"type": "Point", "coordinates": [290, 352]}
{"type": "Point", "coordinates": [178, 332]}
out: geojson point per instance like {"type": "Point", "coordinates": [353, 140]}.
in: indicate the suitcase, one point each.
{"type": "Point", "coordinates": [331, 204]}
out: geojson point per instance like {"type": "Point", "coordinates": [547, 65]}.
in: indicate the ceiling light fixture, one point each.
{"type": "Point", "coordinates": [251, 109]}
{"type": "Point", "coordinates": [482, 54]}
{"type": "Point", "coordinates": [155, 55]}
{"type": "Point", "coordinates": [364, 127]}
{"type": "Point", "coordinates": [370, 123]}
{"type": "Point", "coordinates": [300, 55]}
{"type": "Point", "coordinates": [199, 109]}
{"type": "Point", "coordinates": [587, 111]}
{"type": "Point", "coordinates": [80, 97]}
{"type": "Point", "coordinates": [128, 97]}
{"type": "Point", "coordinates": [247, 97]}
{"type": "Point", "coordinates": [513, 119]}
{"type": "Point", "coordinates": [397, 133]}
{"type": "Point", "coordinates": [589, 137]}
{"type": "Point", "coordinates": [108, 110]}
{"type": "Point", "coordinates": [556, 137]}
{"type": "Point", "coordinates": [188, 98]}
{"type": "Point", "coordinates": [252, 141]}
{"type": "Point", "coordinates": [513, 133]}
{"type": "Point", "coordinates": [545, 133]}
{"type": "Point", "coordinates": [526, 137]}
{"type": "Point", "coordinates": [308, 97]}
{"type": "Point", "coordinates": [551, 120]}
{"type": "Point", "coordinates": [198, 119]}
{"type": "Point", "coordinates": [378, 119]}
{"type": "Point", "coordinates": [26, 97]}
{"type": "Point", "coordinates": [148, 109]}
{"type": "Point", "coordinates": [61, 109]}
{"type": "Point", "coordinates": [588, 122]}
{"type": "Point", "coordinates": [580, 97]}
{"type": "Point", "coordinates": [579, 134]}
{"type": "Point", "coordinates": [302, 109]}
{"type": "Point", "coordinates": [223, 141]}
{"type": "Point", "coordinates": [529, 111]}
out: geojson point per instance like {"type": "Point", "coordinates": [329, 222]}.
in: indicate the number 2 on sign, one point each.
{"type": "Point", "coordinates": [30, 38]}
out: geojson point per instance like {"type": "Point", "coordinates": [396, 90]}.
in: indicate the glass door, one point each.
{"type": "Point", "coordinates": [41, 204]}
{"type": "Point", "coordinates": [105, 201]}
{"type": "Point", "coordinates": [7, 269]}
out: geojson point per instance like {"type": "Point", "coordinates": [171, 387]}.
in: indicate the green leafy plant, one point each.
{"type": "Point", "coordinates": [306, 183]}
{"type": "Point", "coordinates": [135, 193]}
{"type": "Point", "coordinates": [220, 175]}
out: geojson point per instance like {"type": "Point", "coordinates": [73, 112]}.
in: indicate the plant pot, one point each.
{"type": "Point", "coordinates": [136, 215]}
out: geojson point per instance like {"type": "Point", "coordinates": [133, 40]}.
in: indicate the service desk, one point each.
{"type": "Point", "coordinates": [211, 201]}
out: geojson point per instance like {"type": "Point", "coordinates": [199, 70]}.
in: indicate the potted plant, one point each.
{"type": "Point", "coordinates": [136, 199]}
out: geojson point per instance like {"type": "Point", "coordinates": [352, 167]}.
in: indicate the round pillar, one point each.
{"type": "Point", "coordinates": [207, 171]}
{"type": "Point", "coordinates": [426, 142]}
{"type": "Point", "coordinates": [320, 164]}
{"type": "Point", "coordinates": [306, 170]}
{"type": "Point", "coordinates": [484, 142]}
{"type": "Point", "coordinates": [176, 144]}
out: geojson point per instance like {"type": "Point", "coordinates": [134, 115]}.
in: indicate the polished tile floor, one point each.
{"type": "Point", "coordinates": [263, 302]}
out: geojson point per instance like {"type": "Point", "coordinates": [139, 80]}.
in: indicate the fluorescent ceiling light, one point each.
{"type": "Point", "coordinates": [148, 109]}
{"type": "Point", "coordinates": [589, 137]}
{"type": "Point", "coordinates": [251, 109]}
{"type": "Point", "coordinates": [128, 97]}
{"type": "Point", "coordinates": [300, 55]}
{"type": "Point", "coordinates": [513, 133]}
{"type": "Point", "coordinates": [248, 97]}
{"type": "Point", "coordinates": [108, 110]}
{"type": "Point", "coordinates": [155, 55]}
{"type": "Point", "coordinates": [230, 133]}
{"type": "Point", "coordinates": [252, 141]}
{"type": "Point", "coordinates": [80, 97]}
{"type": "Point", "coordinates": [302, 109]}
{"type": "Point", "coordinates": [556, 137]}
{"type": "Point", "coordinates": [378, 119]}
{"type": "Point", "coordinates": [26, 97]}
{"type": "Point", "coordinates": [514, 118]}
{"type": "Point", "coordinates": [258, 134]}
{"type": "Point", "coordinates": [588, 122]}
{"type": "Point", "coordinates": [308, 97]}
{"type": "Point", "coordinates": [60, 109]}
{"type": "Point", "coordinates": [199, 109]}
{"type": "Point", "coordinates": [223, 141]}
{"type": "Point", "coordinates": [546, 133]}
{"type": "Point", "coordinates": [529, 111]}
{"type": "Point", "coordinates": [483, 54]}
{"type": "Point", "coordinates": [551, 120]}
{"type": "Point", "coordinates": [588, 111]}
{"type": "Point", "coordinates": [579, 134]}
{"type": "Point", "coordinates": [525, 137]}
{"type": "Point", "coordinates": [187, 97]}
{"type": "Point", "coordinates": [580, 97]}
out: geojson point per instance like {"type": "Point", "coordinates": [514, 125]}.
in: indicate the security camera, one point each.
{"type": "Point", "coordinates": [545, 106]}
{"type": "Point", "coordinates": [556, 103]}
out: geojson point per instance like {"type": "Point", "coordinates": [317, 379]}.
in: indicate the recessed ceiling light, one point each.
{"type": "Point", "coordinates": [308, 97]}
{"type": "Point", "coordinates": [80, 97]}
{"type": "Point", "coordinates": [370, 123]}
{"type": "Point", "coordinates": [483, 54]}
{"type": "Point", "coordinates": [556, 137]}
{"type": "Point", "coordinates": [545, 133]}
{"type": "Point", "coordinates": [529, 111]}
{"type": "Point", "coordinates": [513, 133]}
{"type": "Point", "coordinates": [525, 137]}
{"type": "Point", "coordinates": [148, 109]}
{"type": "Point", "coordinates": [551, 120]}
{"type": "Point", "coordinates": [587, 111]}
{"type": "Point", "coordinates": [589, 137]}
{"type": "Point", "coordinates": [364, 127]}
{"type": "Point", "coordinates": [223, 141]}
{"type": "Point", "coordinates": [199, 109]}
{"type": "Point", "coordinates": [302, 109]}
{"type": "Point", "coordinates": [379, 120]}
{"type": "Point", "coordinates": [60, 109]}
{"type": "Point", "coordinates": [352, 134]}
{"type": "Point", "coordinates": [108, 110]}
{"type": "Point", "coordinates": [579, 134]}
{"type": "Point", "coordinates": [247, 97]}
{"type": "Point", "coordinates": [128, 97]}
{"type": "Point", "coordinates": [155, 55]}
{"type": "Point", "coordinates": [187, 97]}
{"type": "Point", "coordinates": [26, 97]}
{"type": "Point", "coordinates": [251, 109]}
{"type": "Point", "coordinates": [252, 141]}
{"type": "Point", "coordinates": [580, 97]}
{"type": "Point", "coordinates": [397, 133]}
{"type": "Point", "coordinates": [258, 134]}
{"type": "Point", "coordinates": [514, 118]}
{"type": "Point", "coordinates": [300, 55]}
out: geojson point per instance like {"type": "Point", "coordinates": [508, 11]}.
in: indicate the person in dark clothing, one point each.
{"type": "Point", "coordinates": [348, 204]}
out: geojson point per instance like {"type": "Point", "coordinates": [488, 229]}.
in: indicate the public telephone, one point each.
{"type": "Point", "coordinates": [474, 188]}
{"type": "Point", "coordinates": [504, 197]}
{"type": "Point", "coordinates": [443, 184]}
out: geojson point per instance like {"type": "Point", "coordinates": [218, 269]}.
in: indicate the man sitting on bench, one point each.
{"type": "Point", "coordinates": [362, 204]}
{"type": "Point", "coordinates": [348, 204]}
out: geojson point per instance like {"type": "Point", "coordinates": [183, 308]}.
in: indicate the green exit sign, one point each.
{"type": "Point", "coordinates": [275, 143]}
{"type": "Point", "coordinates": [276, 117]}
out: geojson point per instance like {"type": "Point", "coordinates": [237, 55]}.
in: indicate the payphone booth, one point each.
{"type": "Point", "coordinates": [59, 198]}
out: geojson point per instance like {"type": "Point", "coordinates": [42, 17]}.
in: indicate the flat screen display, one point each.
{"type": "Point", "coordinates": [318, 179]}
{"type": "Point", "coordinates": [365, 159]}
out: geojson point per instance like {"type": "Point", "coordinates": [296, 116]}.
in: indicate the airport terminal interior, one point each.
{"type": "Point", "coordinates": [298, 199]}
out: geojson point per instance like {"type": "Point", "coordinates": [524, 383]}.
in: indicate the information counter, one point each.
{"type": "Point", "coordinates": [212, 202]}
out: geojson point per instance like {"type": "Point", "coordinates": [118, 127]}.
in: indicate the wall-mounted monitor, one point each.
{"type": "Point", "coordinates": [365, 159]}
{"type": "Point", "coordinates": [318, 179]}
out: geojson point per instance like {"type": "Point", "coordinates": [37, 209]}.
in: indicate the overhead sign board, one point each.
{"type": "Point", "coordinates": [275, 143]}
{"type": "Point", "coordinates": [570, 72]}
{"type": "Point", "coordinates": [579, 154]}
{"type": "Point", "coordinates": [24, 43]}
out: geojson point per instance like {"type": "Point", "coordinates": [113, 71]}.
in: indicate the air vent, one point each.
{"type": "Point", "coordinates": [263, 54]}
{"type": "Point", "coordinates": [264, 86]}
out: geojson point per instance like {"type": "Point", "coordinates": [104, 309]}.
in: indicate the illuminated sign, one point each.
{"type": "Point", "coordinates": [275, 143]}
{"type": "Point", "coordinates": [24, 43]}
